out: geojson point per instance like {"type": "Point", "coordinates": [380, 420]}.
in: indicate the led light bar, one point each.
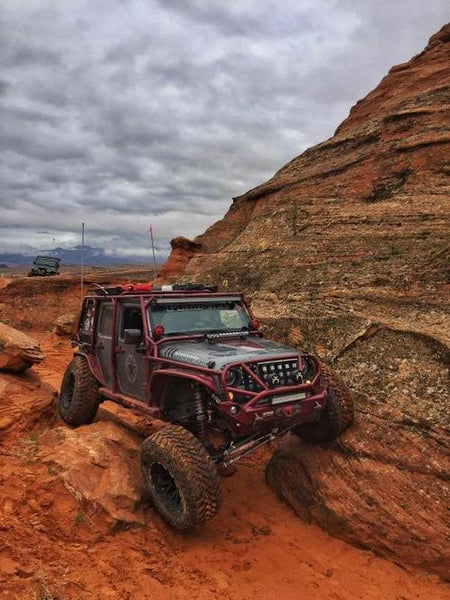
{"type": "Point", "coordinates": [288, 398]}
{"type": "Point", "coordinates": [196, 300]}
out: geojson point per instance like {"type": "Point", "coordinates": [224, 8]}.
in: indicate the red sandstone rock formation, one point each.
{"type": "Point", "coordinates": [18, 351]}
{"type": "Point", "coordinates": [66, 323]}
{"type": "Point", "coordinates": [382, 486]}
{"type": "Point", "coordinates": [355, 225]}
{"type": "Point", "coordinates": [26, 403]}
{"type": "Point", "coordinates": [99, 465]}
{"type": "Point", "coordinates": [182, 252]}
{"type": "Point", "coordinates": [344, 252]}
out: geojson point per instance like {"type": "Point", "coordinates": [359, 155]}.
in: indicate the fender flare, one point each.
{"type": "Point", "coordinates": [93, 365]}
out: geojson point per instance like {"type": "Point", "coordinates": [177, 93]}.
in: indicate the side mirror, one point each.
{"type": "Point", "coordinates": [132, 336]}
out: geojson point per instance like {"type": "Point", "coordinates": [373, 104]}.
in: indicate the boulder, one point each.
{"type": "Point", "coordinates": [18, 351]}
{"type": "Point", "coordinates": [383, 486]}
{"type": "Point", "coordinates": [99, 465]}
{"type": "Point", "coordinates": [65, 324]}
{"type": "Point", "coordinates": [26, 404]}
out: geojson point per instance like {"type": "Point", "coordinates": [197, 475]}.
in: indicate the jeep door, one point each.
{"type": "Point", "coordinates": [131, 365]}
{"type": "Point", "coordinates": [103, 344]}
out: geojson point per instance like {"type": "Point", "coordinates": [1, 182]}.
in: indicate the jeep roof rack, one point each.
{"type": "Point", "coordinates": [121, 289]}
{"type": "Point", "coordinates": [45, 256]}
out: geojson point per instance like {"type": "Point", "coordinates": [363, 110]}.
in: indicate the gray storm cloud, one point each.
{"type": "Point", "coordinates": [121, 114]}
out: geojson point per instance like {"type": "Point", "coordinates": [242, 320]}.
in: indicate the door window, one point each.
{"type": "Point", "coordinates": [106, 319]}
{"type": "Point", "coordinates": [131, 319]}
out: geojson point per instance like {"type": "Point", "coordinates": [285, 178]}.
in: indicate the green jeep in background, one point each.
{"type": "Point", "coordinates": [44, 266]}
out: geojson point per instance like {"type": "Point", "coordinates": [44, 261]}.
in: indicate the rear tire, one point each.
{"type": "Point", "coordinates": [79, 399]}
{"type": "Point", "coordinates": [337, 415]}
{"type": "Point", "coordinates": [180, 477]}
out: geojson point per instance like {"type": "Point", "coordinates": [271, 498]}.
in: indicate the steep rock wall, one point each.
{"type": "Point", "coordinates": [344, 252]}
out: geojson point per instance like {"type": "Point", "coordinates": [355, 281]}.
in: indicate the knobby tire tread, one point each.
{"type": "Point", "coordinates": [332, 379]}
{"type": "Point", "coordinates": [186, 459]}
{"type": "Point", "coordinates": [86, 399]}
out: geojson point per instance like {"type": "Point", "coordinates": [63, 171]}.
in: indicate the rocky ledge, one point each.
{"type": "Point", "coordinates": [383, 486]}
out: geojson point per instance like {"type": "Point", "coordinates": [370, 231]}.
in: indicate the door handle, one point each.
{"type": "Point", "coordinates": [100, 346]}
{"type": "Point", "coordinates": [120, 350]}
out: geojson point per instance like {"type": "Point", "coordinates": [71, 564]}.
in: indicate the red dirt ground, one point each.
{"type": "Point", "coordinates": [51, 549]}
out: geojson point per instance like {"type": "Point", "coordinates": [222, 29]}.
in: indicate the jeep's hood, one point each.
{"type": "Point", "coordinates": [223, 351]}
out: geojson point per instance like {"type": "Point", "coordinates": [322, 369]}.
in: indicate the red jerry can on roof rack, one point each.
{"type": "Point", "coordinates": [138, 287]}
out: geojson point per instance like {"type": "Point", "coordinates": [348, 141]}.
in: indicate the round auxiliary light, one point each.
{"type": "Point", "coordinates": [274, 379]}
{"type": "Point", "coordinates": [158, 331]}
{"type": "Point", "coordinates": [298, 376]}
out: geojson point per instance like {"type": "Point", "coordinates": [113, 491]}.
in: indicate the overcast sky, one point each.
{"type": "Point", "coordinates": [122, 113]}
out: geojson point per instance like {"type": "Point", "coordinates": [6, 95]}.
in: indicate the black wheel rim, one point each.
{"type": "Point", "coordinates": [68, 392]}
{"type": "Point", "coordinates": [166, 489]}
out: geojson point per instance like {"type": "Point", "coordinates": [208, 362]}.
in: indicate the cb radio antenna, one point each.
{"type": "Point", "coordinates": [82, 263]}
{"type": "Point", "coordinates": [150, 232]}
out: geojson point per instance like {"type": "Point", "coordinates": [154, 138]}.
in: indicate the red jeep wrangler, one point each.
{"type": "Point", "coordinates": [197, 359]}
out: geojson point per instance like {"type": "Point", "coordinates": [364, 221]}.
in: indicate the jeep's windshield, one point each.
{"type": "Point", "coordinates": [201, 316]}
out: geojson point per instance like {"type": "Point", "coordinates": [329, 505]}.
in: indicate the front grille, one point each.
{"type": "Point", "coordinates": [277, 373]}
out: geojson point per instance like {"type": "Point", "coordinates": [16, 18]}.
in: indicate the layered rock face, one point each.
{"type": "Point", "coordinates": [344, 252]}
{"type": "Point", "coordinates": [355, 226]}
{"type": "Point", "coordinates": [383, 486]}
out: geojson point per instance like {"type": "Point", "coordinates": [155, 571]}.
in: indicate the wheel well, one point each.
{"type": "Point", "coordinates": [171, 393]}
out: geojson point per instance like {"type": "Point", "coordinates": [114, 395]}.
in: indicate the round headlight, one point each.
{"type": "Point", "coordinates": [233, 377]}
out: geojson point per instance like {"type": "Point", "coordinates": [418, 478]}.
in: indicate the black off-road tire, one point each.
{"type": "Point", "coordinates": [79, 399]}
{"type": "Point", "coordinates": [180, 477]}
{"type": "Point", "coordinates": [337, 415]}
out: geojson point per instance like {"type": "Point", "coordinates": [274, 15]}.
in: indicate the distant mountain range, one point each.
{"type": "Point", "coordinates": [72, 256]}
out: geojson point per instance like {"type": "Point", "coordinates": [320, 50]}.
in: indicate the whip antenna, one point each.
{"type": "Point", "coordinates": [150, 232]}
{"type": "Point", "coordinates": [82, 262]}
